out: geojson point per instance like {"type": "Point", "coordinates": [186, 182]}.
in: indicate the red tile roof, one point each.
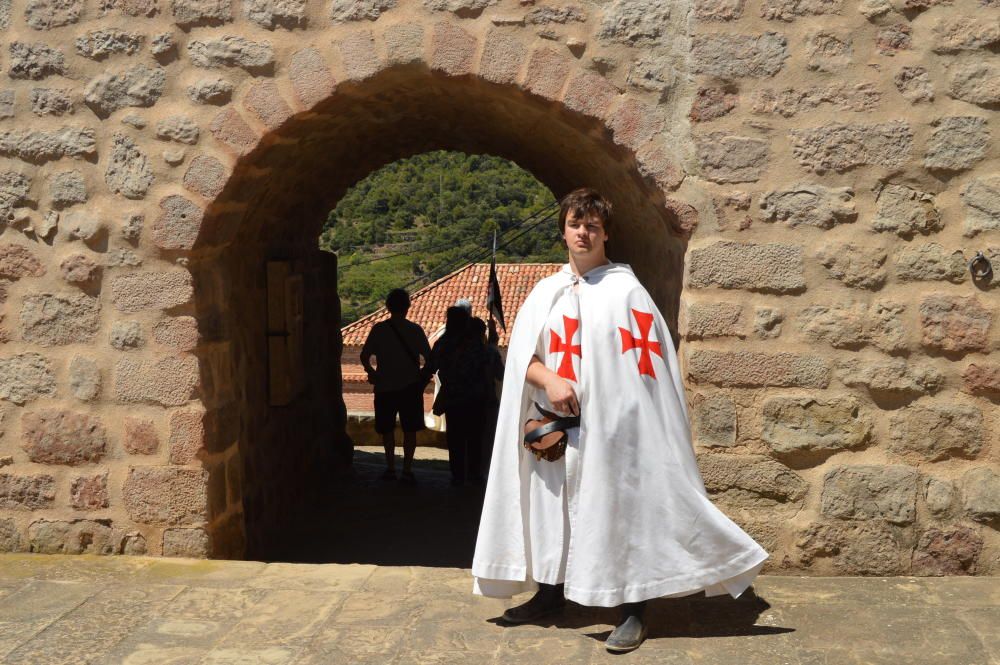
{"type": "Point", "coordinates": [428, 305]}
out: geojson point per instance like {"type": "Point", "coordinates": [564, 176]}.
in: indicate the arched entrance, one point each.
{"type": "Point", "coordinates": [265, 296]}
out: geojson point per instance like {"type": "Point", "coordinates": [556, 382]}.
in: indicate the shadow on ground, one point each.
{"type": "Point", "coordinates": [365, 519]}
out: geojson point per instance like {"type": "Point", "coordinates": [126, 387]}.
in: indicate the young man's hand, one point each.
{"type": "Point", "coordinates": [561, 395]}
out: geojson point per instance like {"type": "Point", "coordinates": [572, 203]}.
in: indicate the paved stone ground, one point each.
{"type": "Point", "coordinates": [140, 610]}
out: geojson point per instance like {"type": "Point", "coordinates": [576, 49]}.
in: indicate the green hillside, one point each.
{"type": "Point", "coordinates": [425, 216]}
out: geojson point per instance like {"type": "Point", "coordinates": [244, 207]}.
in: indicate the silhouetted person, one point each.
{"type": "Point", "coordinates": [468, 397]}
{"type": "Point", "coordinates": [495, 374]}
{"type": "Point", "coordinates": [399, 380]}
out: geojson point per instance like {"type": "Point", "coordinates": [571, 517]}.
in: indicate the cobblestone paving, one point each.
{"type": "Point", "coordinates": [141, 610]}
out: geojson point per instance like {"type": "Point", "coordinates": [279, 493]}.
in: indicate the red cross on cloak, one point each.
{"type": "Point", "coordinates": [567, 348]}
{"type": "Point", "coordinates": [645, 322]}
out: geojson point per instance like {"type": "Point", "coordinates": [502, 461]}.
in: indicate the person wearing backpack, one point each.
{"type": "Point", "coordinates": [398, 376]}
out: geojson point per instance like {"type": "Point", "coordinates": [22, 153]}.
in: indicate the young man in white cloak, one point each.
{"type": "Point", "coordinates": [616, 512]}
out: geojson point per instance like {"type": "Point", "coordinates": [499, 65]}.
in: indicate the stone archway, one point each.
{"type": "Point", "coordinates": [295, 147]}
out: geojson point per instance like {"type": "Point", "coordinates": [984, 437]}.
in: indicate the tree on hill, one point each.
{"type": "Point", "coordinates": [419, 218]}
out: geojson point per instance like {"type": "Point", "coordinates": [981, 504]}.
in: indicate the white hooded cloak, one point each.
{"type": "Point", "coordinates": [641, 524]}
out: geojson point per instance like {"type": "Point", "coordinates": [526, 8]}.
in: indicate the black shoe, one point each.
{"type": "Point", "coordinates": [630, 633]}
{"type": "Point", "coordinates": [548, 599]}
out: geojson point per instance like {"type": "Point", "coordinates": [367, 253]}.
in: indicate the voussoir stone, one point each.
{"type": "Point", "coordinates": [867, 492]}
{"type": "Point", "coordinates": [728, 158]}
{"type": "Point", "coordinates": [30, 492]}
{"type": "Point", "coordinates": [982, 205]}
{"type": "Point", "coordinates": [54, 319]}
{"type": "Point", "coordinates": [796, 424]}
{"type": "Point", "coordinates": [841, 147]}
{"type": "Point", "coordinates": [635, 22]}
{"type": "Point", "coordinates": [976, 82]}
{"type": "Point", "coordinates": [179, 332]}
{"type": "Point", "coordinates": [935, 432]}
{"type": "Point", "coordinates": [139, 85]}
{"type": "Point", "coordinates": [232, 51]}
{"type": "Point", "coordinates": [206, 175]}
{"type": "Point", "coordinates": [955, 324]}
{"type": "Point", "coordinates": [17, 262]}
{"type": "Point", "coordinates": [35, 61]}
{"type": "Point", "coordinates": [859, 266]}
{"type": "Point", "coordinates": [750, 481]}
{"type": "Point", "coordinates": [266, 102]}
{"type": "Point", "coordinates": [737, 56]}
{"type": "Point", "coordinates": [179, 223]}
{"type": "Point", "coordinates": [930, 262]}
{"type": "Point", "coordinates": [168, 496]}
{"type": "Point", "coordinates": [854, 324]}
{"type": "Point", "coordinates": [99, 44]}
{"type": "Point", "coordinates": [765, 267]}
{"type": "Point", "coordinates": [958, 142]}
{"type": "Point", "coordinates": [808, 204]}
{"type": "Point", "coordinates": [55, 436]}
{"type": "Point", "coordinates": [136, 291]}
{"type": "Point", "coordinates": [892, 375]}
{"type": "Point", "coordinates": [757, 369]}
{"type": "Point", "coordinates": [952, 551]}
{"type": "Point", "coordinates": [359, 10]}
{"type": "Point", "coordinates": [169, 381]}
{"type": "Point", "coordinates": [981, 494]}
{"type": "Point", "coordinates": [26, 377]}
{"type": "Point", "coordinates": [905, 211]}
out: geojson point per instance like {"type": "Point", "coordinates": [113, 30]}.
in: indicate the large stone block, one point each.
{"type": "Point", "coordinates": [187, 436]}
{"type": "Point", "coordinates": [754, 369]}
{"type": "Point", "coordinates": [934, 432]}
{"type": "Point", "coordinates": [139, 85]}
{"type": "Point", "coordinates": [84, 378]}
{"type": "Point", "coordinates": [17, 261]}
{"type": "Point", "coordinates": [940, 495]}
{"type": "Point", "coordinates": [955, 324]}
{"type": "Point", "coordinates": [128, 171]}
{"type": "Point", "coordinates": [191, 543]}
{"type": "Point", "coordinates": [140, 437]}
{"type": "Point", "coordinates": [892, 375]}
{"type": "Point", "coordinates": [859, 266]}
{"type": "Point", "coordinates": [178, 128]}
{"type": "Point", "coordinates": [841, 147]}
{"type": "Point", "coordinates": [206, 176]}
{"type": "Point", "coordinates": [715, 319]}
{"type": "Point", "coordinates": [404, 44]}
{"type": "Point", "coordinates": [930, 262]}
{"type": "Point", "coordinates": [55, 436]}
{"type": "Point", "coordinates": [26, 377]}
{"type": "Point", "coordinates": [359, 10]}
{"type": "Point", "coordinates": [265, 101]}
{"type": "Point", "coordinates": [634, 122]}
{"type": "Point", "coordinates": [808, 204]}
{"type": "Point", "coordinates": [359, 55]}
{"type": "Point", "coordinates": [230, 128]}
{"type": "Point", "coordinates": [35, 61]}
{"type": "Point", "coordinates": [856, 548]}
{"type": "Point", "coordinates": [136, 291]}
{"type": "Point", "coordinates": [211, 90]}
{"type": "Point", "coordinates": [453, 50]}
{"type": "Point", "coordinates": [982, 205]}
{"type": "Point", "coordinates": [72, 537]}
{"type": "Point", "coordinates": [55, 319]}
{"type": "Point", "coordinates": [953, 551]}
{"type": "Point", "coordinates": [827, 51]}
{"type": "Point", "coordinates": [232, 51]}
{"type": "Point", "coordinates": [750, 481]}
{"type": "Point", "coordinates": [169, 496]}
{"type": "Point", "coordinates": [718, 10]}
{"type": "Point", "coordinates": [981, 494]}
{"type": "Point", "coordinates": [179, 333]}
{"type": "Point", "coordinates": [871, 491]}
{"type": "Point", "coordinates": [958, 142]}
{"type": "Point", "coordinates": [48, 14]}
{"type": "Point", "coordinates": [806, 424]}
{"type": "Point", "coordinates": [976, 82]}
{"type": "Point", "coordinates": [853, 325]}
{"type": "Point", "coordinates": [789, 10]}
{"type": "Point", "coordinates": [89, 492]}
{"type": "Point", "coordinates": [727, 158]}
{"type": "Point", "coordinates": [982, 379]}
{"type": "Point", "coordinates": [789, 102]}
{"type": "Point", "coordinates": [738, 56]}
{"type": "Point", "coordinates": [310, 76]}
{"type": "Point", "coordinates": [590, 94]}
{"type": "Point", "coordinates": [99, 44]}
{"type": "Point", "coordinates": [956, 33]}
{"type": "Point", "coordinates": [10, 536]}
{"type": "Point", "coordinates": [169, 381]}
{"type": "Point", "coordinates": [905, 211]}
{"type": "Point", "coordinates": [44, 146]}
{"type": "Point", "coordinates": [30, 492]}
{"type": "Point", "coordinates": [546, 73]}
{"type": "Point", "coordinates": [189, 13]}
{"type": "Point", "coordinates": [715, 418]}
{"type": "Point", "coordinates": [765, 267]}
{"type": "Point", "coordinates": [635, 22]}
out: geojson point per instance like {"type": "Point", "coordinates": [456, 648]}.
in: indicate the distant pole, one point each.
{"type": "Point", "coordinates": [493, 263]}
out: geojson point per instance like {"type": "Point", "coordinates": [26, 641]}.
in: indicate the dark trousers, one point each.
{"type": "Point", "coordinates": [465, 438]}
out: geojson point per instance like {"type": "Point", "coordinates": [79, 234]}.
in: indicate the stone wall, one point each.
{"type": "Point", "coordinates": [799, 183]}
